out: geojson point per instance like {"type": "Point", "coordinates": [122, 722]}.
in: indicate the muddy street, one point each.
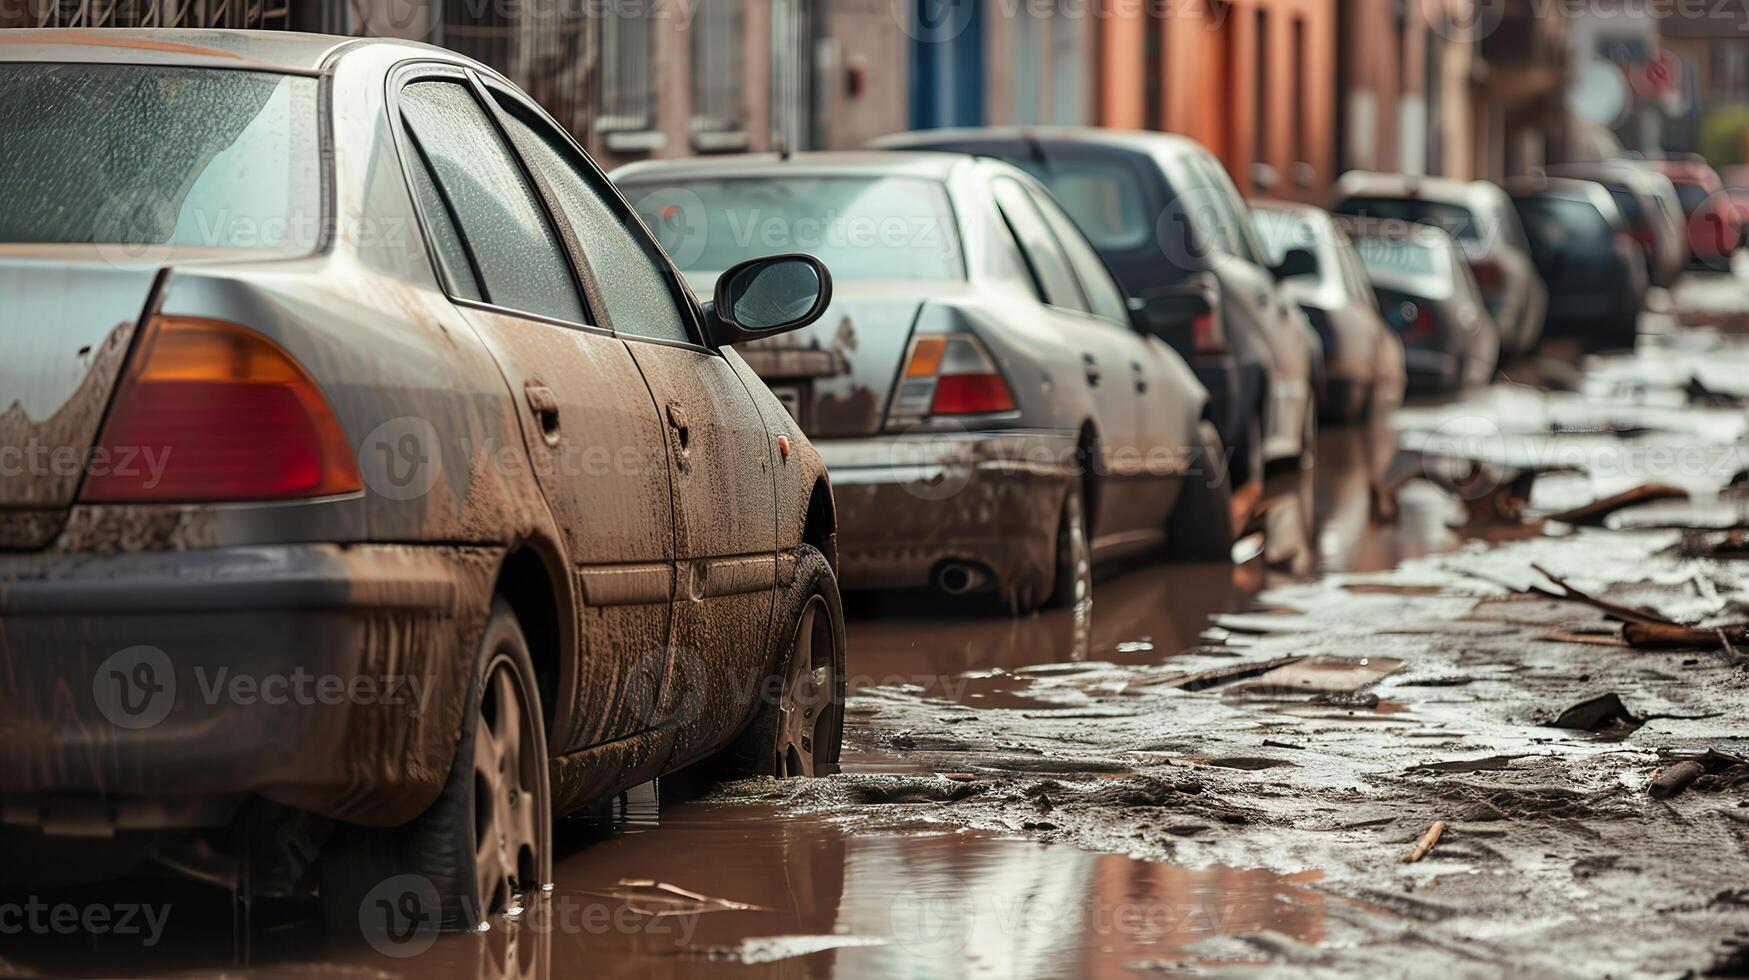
{"type": "Point", "coordinates": [1464, 721]}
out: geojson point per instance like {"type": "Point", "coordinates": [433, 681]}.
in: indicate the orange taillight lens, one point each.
{"type": "Point", "coordinates": [212, 411]}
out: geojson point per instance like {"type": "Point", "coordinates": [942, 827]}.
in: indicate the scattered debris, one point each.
{"type": "Point", "coordinates": [1321, 675]}
{"type": "Point", "coordinates": [659, 899]}
{"type": "Point", "coordinates": [1595, 513]}
{"type": "Point", "coordinates": [1567, 591]}
{"type": "Point", "coordinates": [1603, 715]}
{"type": "Point", "coordinates": [1226, 675]}
{"type": "Point", "coordinates": [771, 949]}
{"type": "Point", "coordinates": [1426, 843]}
{"type": "Point", "coordinates": [1673, 779]}
{"type": "Point", "coordinates": [1674, 636]}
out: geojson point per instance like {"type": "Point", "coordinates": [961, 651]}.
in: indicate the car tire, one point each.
{"type": "Point", "coordinates": [1201, 525]}
{"type": "Point", "coordinates": [1072, 567]}
{"type": "Point", "coordinates": [798, 729]}
{"type": "Point", "coordinates": [488, 837]}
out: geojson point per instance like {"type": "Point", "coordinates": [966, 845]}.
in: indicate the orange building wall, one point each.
{"type": "Point", "coordinates": [1208, 65]}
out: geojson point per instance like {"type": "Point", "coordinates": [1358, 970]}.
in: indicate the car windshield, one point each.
{"type": "Point", "coordinates": [1456, 219]}
{"type": "Point", "coordinates": [1396, 257]}
{"type": "Point", "coordinates": [149, 156]}
{"type": "Point", "coordinates": [861, 227]}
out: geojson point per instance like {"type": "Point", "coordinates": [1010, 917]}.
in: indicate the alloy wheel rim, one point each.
{"type": "Point", "coordinates": [805, 714]}
{"type": "Point", "coordinates": [507, 837]}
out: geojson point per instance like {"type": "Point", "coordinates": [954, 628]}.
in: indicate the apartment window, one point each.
{"type": "Point", "coordinates": [628, 92]}
{"type": "Point", "coordinates": [718, 53]}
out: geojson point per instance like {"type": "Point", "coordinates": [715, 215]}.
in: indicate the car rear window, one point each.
{"type": "Point", "coordinates": [1556, 223]}
{"type": "Point", "coordinates": [1456, 219]}
{"type": "Point", "coordinates": [1692, 196]}
{"type": "Point", "coordinates": [159, 156]}
{"type": "Point", "coordinates": [861, 227]}
{"type": "Point", "coordinates": [1395, 256]}
{"type": "Point", "coordinates": [1101, 196]}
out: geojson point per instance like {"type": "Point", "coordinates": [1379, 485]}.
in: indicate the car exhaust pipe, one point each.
{"type": "Point", "coordinates": [957, 578]}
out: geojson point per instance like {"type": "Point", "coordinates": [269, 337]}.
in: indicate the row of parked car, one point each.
{"type": "Point", "coordinates": [337, 367]}
{"type": "Point", "coordinates": [1050, 347]}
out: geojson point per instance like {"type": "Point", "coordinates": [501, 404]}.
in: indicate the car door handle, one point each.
{"type": "Point", "coordinates": [1141, 379]}
{"type": "Point", "coordinates": [545, 406]}
{"type": "Point", "coordinates": [1091, 366]}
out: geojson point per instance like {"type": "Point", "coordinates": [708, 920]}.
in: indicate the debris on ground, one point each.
{"type": "Point", "coordinates": [1426, 843]}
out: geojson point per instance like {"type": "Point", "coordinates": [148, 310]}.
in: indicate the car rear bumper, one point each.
{"type": "Point", "coordinates": [909, 504]}
{"type": "Point", "coordinates": [147, 690]}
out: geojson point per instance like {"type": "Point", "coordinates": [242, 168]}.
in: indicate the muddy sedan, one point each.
{"type": "Point", "coordinates": [977, 355]}
{"type": "Point", "coordinates": [1430, 298]}
{"type": "Point", "coordinates": [380, 490]}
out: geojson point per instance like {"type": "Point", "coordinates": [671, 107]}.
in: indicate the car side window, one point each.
{"type": "Point", "coordinates": [638, 294]}
{"type": "Point", "coordinates": [504, 229]}
{"type": "Point", "coordinates": [1050, 267]}
{"type": "Point", "coordinates": [1103, 294]}
{"type": "Point", "coordinates": [452, 254]}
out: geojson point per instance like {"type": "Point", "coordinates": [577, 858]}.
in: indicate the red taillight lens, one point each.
{"type": "Point", "coordinates": [211, 411]}
{"type": "Point", "coordinates": [949, 374]}
{"type": "Point", "coordinates": [1489, 275]}
{"type": "Point", "coordinates": [1205, 335]}
{"type": "Point", "coordinates": [1422, 326]}
{"type": "Point", "coordinates": [966, 394]}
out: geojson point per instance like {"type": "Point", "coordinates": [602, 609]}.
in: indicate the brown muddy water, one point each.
{"type": "Point", "coordinates": [695, 886]}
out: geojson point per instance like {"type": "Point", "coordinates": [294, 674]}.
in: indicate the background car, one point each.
{"type": "Point", "coordinates": [1363, 359]}
{"type": "Point", "coordinates": [1480, 218]}
{"type": "Point", "coordinates": [1430, 298]}
{"type": "Point", "coordinates": [1648, 204]}
{"type": "Point", "coordinates": [1714, 230]}
{"type": "Point", "coordinates": [455, 431]}
{"type": "Point", "coordinates": [1166, 218]}
{"type": "Point", "coordinates": [977, 352]}
{"type": "Point", "coordinates": [1595, 271]}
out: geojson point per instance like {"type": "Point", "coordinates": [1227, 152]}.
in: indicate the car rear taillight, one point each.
{"type": "Point", "coordinates": [1206, 336]}
{"type": "Point", "coordinates": [1489, 276]}
{"type": "Point", "coordinates": [950, 374]}
{"type": "Point", "coordinates": [211, 411]}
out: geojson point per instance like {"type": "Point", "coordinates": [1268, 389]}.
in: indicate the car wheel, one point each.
{"type": "Point", "coordinates": [1201, 526]}
{"type": "Point", "coordinates": [799, 727]}
{"type": "Point", "coordinates": [1072, 579]}
{"type": "Point", "coordinates": [487, 840]}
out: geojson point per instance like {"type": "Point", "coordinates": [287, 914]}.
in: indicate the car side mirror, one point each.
{"type": "Point", "coordinates": [1297, 262]}
{"type": "Point", "coordinates": [1168, 313]}
{"type": "Point", "coordinates": [768, 296]}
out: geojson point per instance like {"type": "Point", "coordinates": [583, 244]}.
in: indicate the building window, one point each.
{"type": "Point", "coordinates": [627, 120]}
{"type": "Point", "coordinates": [1297, 114]}
{"type": "Point", "coordinates": [1260, 88]}
{"type": "Point", "coordinates": [718, 52]}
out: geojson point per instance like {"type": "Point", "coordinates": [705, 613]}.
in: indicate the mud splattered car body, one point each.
{"type": "Point", "coordinates": [578, 448]}
{"type": "Point", "coordinates": [977, 352]}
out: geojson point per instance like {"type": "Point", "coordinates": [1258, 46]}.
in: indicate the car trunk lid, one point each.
{"type": "Point", "coordinates": [72, 316]}
{"type": "Point", "coordinates": [836, 375]}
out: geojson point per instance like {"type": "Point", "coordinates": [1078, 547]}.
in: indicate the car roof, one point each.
{"type": "Point", "coordinates": [1575, 188]}
{"type": "Point", "coordinates": [1367, 183]}
{"type": "Point", "coordinates": [187, 47]}
{"type": "Point", "coordinates": [870, 163]}
{"type": "Point", "coordinates": [1144, 141]}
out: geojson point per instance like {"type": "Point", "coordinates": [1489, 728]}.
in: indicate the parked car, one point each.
{"type": "Point", "coordinates": [977, 352]}
{"type": "Point", "coordinates": [1595, 271]}
{"type": "Point", "coordinates": [1363, 358]}
{"type": "Point", "coordinates": [383, 390]}
{"type": "Point", "coordinates": [1714, 230]}
{"type": "Point", "coordinates": [1478, 215]}
{"type": "Point", "coordinates": [1166, 218]}
{"type": "Point", "coordinates": [1648, 203]}
{"type": "Point", "coordinates": [1430, 298]}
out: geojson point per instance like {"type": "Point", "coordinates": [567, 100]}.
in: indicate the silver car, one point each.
{"type": "Point", "coordinates": [991, 416]}
{"type": "Point", "coordinates": [372, 489]}
{"type": "Point", "coordinates": [1480, 218]}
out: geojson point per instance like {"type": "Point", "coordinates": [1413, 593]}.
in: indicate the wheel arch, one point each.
{"type": "Point", "coordinates": [532, 580]}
